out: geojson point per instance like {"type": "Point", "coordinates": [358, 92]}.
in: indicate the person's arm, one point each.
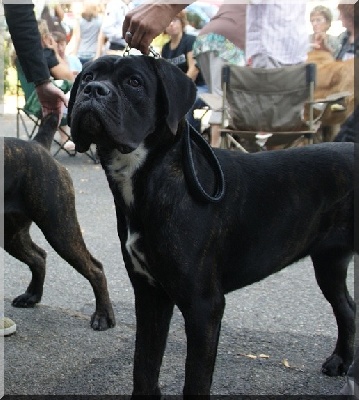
{"type": "Point", "coordinates": [59, 12]}
{"type": "Point", "coordinates": [62, 71]}
{"type": "Point", "coordinates": [25, 36]}
{"type": "Point", "coordinates": [192, 71]}
{"type": "Point", "coordinates": [59, 69]}
{"type": "Point", "coordinates": [74, 43]}
{"type": "Point", "coordinates": [147, 21]}
{"type": "Point", "coordinates": [27, 42]}
{"type": "Point", "coordinates": [101, 40]}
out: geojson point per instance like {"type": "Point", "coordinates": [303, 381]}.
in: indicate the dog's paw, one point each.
{"type": "Point", "coordinates": [335, 366]}
{"type": "Point", "coordinates": [26, 300]}
{"type": "Point", "coordinates": [102, 321]}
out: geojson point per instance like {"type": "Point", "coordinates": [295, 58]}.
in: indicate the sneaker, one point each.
{"type": "Point", "coordinates": [350, 388]}
{"type": "Point", "coordinates": [7, 326]}
{"type": "Point", "coordinates": [69, 145]}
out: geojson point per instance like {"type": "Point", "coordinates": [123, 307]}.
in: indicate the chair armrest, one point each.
{"type": "Point", "coordinates": [214, 101]}
{"type": "Point", "coordinates": [332, 98]}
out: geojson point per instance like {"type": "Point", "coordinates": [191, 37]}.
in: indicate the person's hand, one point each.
{"type": "Point", "coordinates": [145, 22]}
{"type": "Point", "coordinates": [320, 41]}
{"type": "Point", "coordinates": [49, 42]}
{"type": "Point", "coordinates": [52, 99]}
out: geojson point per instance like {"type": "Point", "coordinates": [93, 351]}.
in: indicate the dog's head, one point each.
{"type": "Point", "coordinates": [117, 102]}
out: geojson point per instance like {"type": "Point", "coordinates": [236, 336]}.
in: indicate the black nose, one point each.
{"type": "Point", "coordinates": [96, 89]}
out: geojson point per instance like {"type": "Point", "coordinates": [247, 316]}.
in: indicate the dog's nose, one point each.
{"type": "Point", "coordinates": [96, 89]}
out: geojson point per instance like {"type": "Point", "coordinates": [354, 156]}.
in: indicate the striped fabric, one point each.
{"type": "Point", "coordinates": [277, 29]}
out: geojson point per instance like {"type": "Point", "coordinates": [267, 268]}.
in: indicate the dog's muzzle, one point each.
{"type": "Point", "coordinates": [96, 90]}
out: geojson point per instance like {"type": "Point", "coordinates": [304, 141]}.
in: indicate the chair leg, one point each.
{"type": "Point", "coordinates": [72, 153]}
{"type": "Point", "coordinates": [61, 143]}
{"type": "Point", "coordinates": [20, 118]}
{"type": "Point", "coordinates": [18, 124]}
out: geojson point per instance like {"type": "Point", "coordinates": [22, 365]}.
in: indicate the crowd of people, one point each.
{"type": "Point", "coordinates": [258, 35]}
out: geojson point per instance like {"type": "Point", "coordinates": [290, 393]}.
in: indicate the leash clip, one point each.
{"type": "Point", "coordinates": [127, 51]}
{"type": "Point", "coordinates": [153, 52]}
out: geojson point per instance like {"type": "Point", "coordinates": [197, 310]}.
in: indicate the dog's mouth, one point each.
{"type": "Point", "coordinates": [89, 127]}
{"type": "Point", "coordinates": [86, 129]}
{"type": "Point", "coordinates": [90, 121]}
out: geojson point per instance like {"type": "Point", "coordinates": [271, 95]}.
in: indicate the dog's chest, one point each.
{"type": "Point", "coordinates": [121, 169]}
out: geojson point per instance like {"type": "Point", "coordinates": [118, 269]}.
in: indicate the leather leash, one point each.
{"type": "Point", "coordinates": [191, 135]}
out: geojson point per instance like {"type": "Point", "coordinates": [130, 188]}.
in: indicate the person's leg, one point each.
{"type": "Point", "coordinates": [65, 140]}
{"type": "Point", "coordinates": [63, 130]}
{"type": "Point", "coordinates": [198, 104]}
{"type": "Point", "coordinates": [211, 68]}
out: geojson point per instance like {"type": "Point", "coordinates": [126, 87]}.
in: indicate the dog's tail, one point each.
{"type": "Point", "coordinates": [47, 130]}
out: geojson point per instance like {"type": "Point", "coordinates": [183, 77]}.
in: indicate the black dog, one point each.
{"type": "Point", "coordinates": [39, 189]}
{"type": "Point", "coordinates": [185, 246]}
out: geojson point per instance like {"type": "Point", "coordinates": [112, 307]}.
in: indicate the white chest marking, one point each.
{"type": "Point", "coordinates": [122, 168]}
{"type": "Point", "coordinates": [138, 259]}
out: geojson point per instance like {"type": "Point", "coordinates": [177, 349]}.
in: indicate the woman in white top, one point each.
{"type": "Point", "coordinates": [85, 33]}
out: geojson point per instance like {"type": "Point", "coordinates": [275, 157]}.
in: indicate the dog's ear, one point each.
{"type": "Point", "coordinates": [73, 92]}
{"type": "Point", "coordinates": [179, 92]}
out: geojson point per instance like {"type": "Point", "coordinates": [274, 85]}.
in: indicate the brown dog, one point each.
{"type": "Point", "coordinates": [39, 189]}
{"type": "Point", "coordinates": [333, 77]}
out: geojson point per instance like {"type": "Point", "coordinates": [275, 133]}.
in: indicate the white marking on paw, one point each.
{"type": "Point", "coordinates": [138, 259]}
{"type": "Point", "coordinates": [122, 168]}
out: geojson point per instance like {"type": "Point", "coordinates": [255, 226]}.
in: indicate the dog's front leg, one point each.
{"type": "Point", "coordinates": [203, 323]}
{"type": "Point", "coordinates": [153, 315]}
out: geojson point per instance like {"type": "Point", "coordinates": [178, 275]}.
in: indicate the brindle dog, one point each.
{"type": "Point", "coordinates": [188, 247]}
{"type": "Point", "coordinates": [39, 189]}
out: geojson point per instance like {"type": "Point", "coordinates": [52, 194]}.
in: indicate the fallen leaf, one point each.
{"type": "Point", "coordinates": [285, 363]}
{"type": "Point", "coordinates": [248, 355]}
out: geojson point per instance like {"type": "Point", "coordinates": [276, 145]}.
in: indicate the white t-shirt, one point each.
{"type": "Point", "coordinates": [113, 20]}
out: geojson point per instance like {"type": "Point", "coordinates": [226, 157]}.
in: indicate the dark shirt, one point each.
{"type": "Point", "coordinates": [349, 131]}
{"type": "Point", "coordinates": [50, 58]}
{"type": "Point", "coordinates": [346, 47]}
{"type": "Point", "coordinates": [25, 36]}
{"type": "Point", "coordinates": [178, 56]}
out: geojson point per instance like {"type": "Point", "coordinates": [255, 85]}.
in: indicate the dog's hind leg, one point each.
{"type": "Point", "coordinates": [61, 229]}
{"type": "Point", "coordinates": [153, 316]}
{"type": "Point", "coordinates": [203, 323]}
{"type": "Point", "coordinates": [24, 249]}
{"type": "Point", "coordinates": [71, 247]}
{"type": "Point", "coordinates": [331, 272]}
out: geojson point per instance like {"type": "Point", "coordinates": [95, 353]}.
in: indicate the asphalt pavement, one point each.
{"type": "Point", "coordinates": [275, 334]}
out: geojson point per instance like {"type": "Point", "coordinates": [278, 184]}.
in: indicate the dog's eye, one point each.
{"type": "Point", "coordinates": [134, 81]}
{"type": "Point", "coordinates": [87, 77]}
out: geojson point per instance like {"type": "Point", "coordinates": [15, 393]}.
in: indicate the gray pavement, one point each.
{"type": "Point", "coordinates": [275, 334]}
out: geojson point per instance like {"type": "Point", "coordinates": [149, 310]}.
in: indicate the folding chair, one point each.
{"type": "Point", "coordinates": [264, 108]}
{"type": "Point", "coordinates": [30, 112]}
{"type": "Point", "coordinates": [24, 114]}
